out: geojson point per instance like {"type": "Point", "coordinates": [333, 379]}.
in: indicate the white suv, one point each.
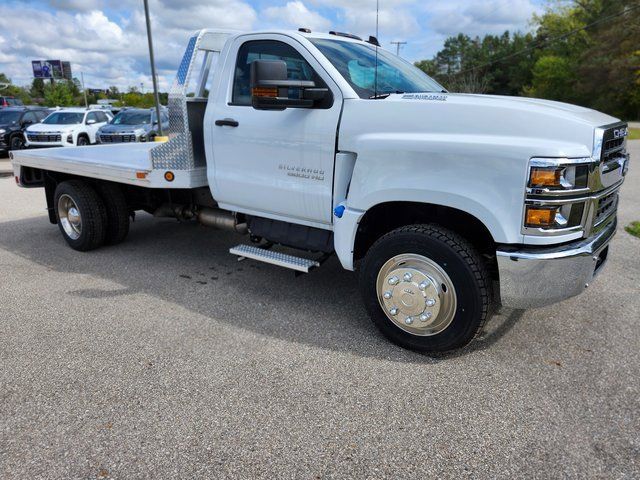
{"type": "Point", "coordinates": [67, 128]}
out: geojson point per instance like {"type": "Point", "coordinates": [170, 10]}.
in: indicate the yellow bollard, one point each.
{"type": "Point", "coordinates": [158, 138]}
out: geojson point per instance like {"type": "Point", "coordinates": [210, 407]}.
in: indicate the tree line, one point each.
{"type": "Point", "coordinates": [65, 93]}
{"type": "Point", "coordinates": [586, 52]}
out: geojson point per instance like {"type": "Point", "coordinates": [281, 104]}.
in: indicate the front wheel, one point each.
{"type": "Point", "coordinates": [83, 141]}
{"type": "Point", "coordinates": [17, 143]}
{"type": "Point", "coordinates": [426, 288]}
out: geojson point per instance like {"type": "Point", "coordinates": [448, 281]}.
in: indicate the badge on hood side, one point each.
{"type": "Point", "coordinates": [425, 96]}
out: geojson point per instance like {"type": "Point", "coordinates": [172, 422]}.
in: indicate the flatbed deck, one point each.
{"type": "Point", "coordinates": [128, 163]}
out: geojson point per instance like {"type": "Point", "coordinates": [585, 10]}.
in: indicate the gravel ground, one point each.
{"type": "Point", "coordinates": [166, 358]}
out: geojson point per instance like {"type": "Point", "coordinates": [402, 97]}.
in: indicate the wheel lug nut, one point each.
{"type": "Point", "coordinates": [424, 285]}
{"type": "Point", "coordinates": [394, 280]}
{"type": "Point", "coordinates": [408, 320]}
{"type": "Point", "coordinates": [430, 302]}
{"type": "Point", "coordinates": [387, 295]}
{"type": "Point", "coordinates": [393, 311]}
{"type": "Point", "coordinates": [407, 277]}
{"type": "Point", "coordinates": [425, 316]}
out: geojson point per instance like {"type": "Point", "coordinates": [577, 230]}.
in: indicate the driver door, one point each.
{"type": "Point", "coordinates": [274, 163]}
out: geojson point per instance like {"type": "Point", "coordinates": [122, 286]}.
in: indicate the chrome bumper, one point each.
{"type": "Point", "coordinates": [534, 277]}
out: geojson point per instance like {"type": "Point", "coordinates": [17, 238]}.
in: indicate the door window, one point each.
{"type": "Point", "coordinates": [297, 67]}
{"type": "Point", "coordinates": [30, 117]}
{"type": "Point", "coordinates": [92, 116]}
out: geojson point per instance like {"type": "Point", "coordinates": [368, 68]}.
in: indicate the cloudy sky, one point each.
{"type": "Point", "coordinates": [106, 39]}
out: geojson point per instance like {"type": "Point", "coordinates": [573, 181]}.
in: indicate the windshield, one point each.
{"type": "Point", "coordinates": [132, 118]}
{"type": "Point", "coordinates": [7, 118]}
{"type": "Point", "coordinates": [356, 62]}
{"type": "Point", "coordinates": [64, 118]}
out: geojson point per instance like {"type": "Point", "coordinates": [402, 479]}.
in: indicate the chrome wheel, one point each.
{"type": "Point", "coordinates": [416, 294]}
{"type": "Point", "coordinates": [70, 217]}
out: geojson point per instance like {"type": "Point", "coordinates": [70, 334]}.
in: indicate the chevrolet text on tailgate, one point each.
{"type": "Point", "coordinates": [446, 205]}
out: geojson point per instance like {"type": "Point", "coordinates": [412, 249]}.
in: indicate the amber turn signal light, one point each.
{"type": "Point", "coordinates": [541, 216]}
{"type": "Point", "coordinates": [545, 177]}
{"type": "Point", "coordinates": [264, 92]}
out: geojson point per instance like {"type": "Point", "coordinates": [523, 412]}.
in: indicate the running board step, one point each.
{"type": "Point", "coordinates": [275, 258]}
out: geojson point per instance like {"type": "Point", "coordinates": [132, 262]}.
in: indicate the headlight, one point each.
{"type": "Point", "coordinates": [70, 138]}
{"type": "Point", "coordinates": [554, 217]}
{"type": "Point", "coordinates": [2, 130]}
{"type": "Point", "coordinates": [544, 177]}
{"type": "Point", "coordinates": [555, 199]}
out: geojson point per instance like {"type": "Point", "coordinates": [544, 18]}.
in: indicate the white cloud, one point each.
{"type": "Point", "coordinates": [109, 50]}
{"type": "Point", "coordinates": [76, 5]}
{"type": "Point", "coordinates": [479, 18]}
{"type": "Point", "coordinates": [110, 46]}
{"type": "Point", "coordinates": [296, 14]}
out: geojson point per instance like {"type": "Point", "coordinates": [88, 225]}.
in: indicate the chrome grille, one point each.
{"type": "Point", "coordinates": [612, 147]}
{"type": "Point", "coordinates": [606, 206]}
{"type": "Point", "coordinates": [33, 137]}
{"type": "Point", "coordinates": [117, 138]}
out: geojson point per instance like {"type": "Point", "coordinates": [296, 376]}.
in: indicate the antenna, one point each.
{"type": "Point", "coordinates": [397, 44]}
{"type": "Point", "coordinates": [375, 75]}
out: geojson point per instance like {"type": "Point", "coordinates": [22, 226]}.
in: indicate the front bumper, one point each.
{"type": "Point", "coordinates": [534, 277]}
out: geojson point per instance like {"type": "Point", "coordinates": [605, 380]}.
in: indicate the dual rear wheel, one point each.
{"type": "Point", "coordinates": [90, 216]}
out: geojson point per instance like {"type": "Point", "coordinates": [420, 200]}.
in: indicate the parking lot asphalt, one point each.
{"type": "Point", "coordinates": [165, 357]}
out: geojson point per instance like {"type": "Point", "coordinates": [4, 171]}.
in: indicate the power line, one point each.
{"type": "Point", "coordinates": [538, 43]}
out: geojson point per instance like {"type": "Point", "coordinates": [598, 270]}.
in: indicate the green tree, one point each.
{"type": "Point", "coordinates": [37, 88]}
{"type": "Point", "coordinates": [553, 78]}
{"type": "Point", "coordinates": [58, 94]}
{"type": "Point", "coordinates": [584, 52]}
{"type": "Point", "coordinates": [10, 90]}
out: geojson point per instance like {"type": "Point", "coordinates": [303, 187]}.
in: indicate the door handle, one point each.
{"type": "Point", "coordinates": [229, 122]}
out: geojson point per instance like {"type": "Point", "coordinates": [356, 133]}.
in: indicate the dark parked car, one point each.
{"type": "Point", "coordinates": [10, 102]}
{"type": "Point", "coordinates": [13, 121]}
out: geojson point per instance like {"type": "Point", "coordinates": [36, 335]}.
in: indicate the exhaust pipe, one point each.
{"type": "Point", "coordinates": [221, 219]}
{"type": "Point", "coordinates": [209, 217]}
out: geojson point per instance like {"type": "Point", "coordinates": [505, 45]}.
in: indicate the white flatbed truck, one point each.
{"type": "Point", "coordinates": [447, 205]}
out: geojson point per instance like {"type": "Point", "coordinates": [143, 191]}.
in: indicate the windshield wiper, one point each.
{"type": "Point", "coordinates": [383, 95]}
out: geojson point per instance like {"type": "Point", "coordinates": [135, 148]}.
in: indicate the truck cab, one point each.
{"type": "Point", "coordinates": [447, 205]}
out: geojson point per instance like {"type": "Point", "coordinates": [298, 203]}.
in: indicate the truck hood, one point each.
{"type": "Point", "coordinates": [125, 128]}
{"type": "Point", "coordinates": [41, 127]}
{"type": "Point", "coordinates": [549, 128]}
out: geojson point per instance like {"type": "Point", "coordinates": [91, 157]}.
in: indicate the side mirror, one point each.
{"type": "Point", "coordinates": [270, 87]}
{"type": "Point", "coordinates": [91, 122]}
{"type": "Point", "coordinates": [26, 123]}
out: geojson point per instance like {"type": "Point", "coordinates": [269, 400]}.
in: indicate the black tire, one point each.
{"type": "Point", "coordinates": [461, 262]}
{"type": "Point", "coordinates": [92, 212]}
{"type": "Point", "coordinates": [117, 212]}
{"type": "Point", "coordinates": [16, 143]}
{"type": "Point", "coordinates": [83, 140]}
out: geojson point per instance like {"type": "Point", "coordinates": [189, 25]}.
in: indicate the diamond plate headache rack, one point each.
{"type": "Point", "coordinates": [178, 152]}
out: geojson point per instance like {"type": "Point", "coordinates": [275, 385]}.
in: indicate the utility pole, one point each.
{"type": "Point", "coordinates": [86, 103]}
{"type": "Point", "coordinates": [397, 44]}
{"type": "Point", "coordinates": [153, 68]}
